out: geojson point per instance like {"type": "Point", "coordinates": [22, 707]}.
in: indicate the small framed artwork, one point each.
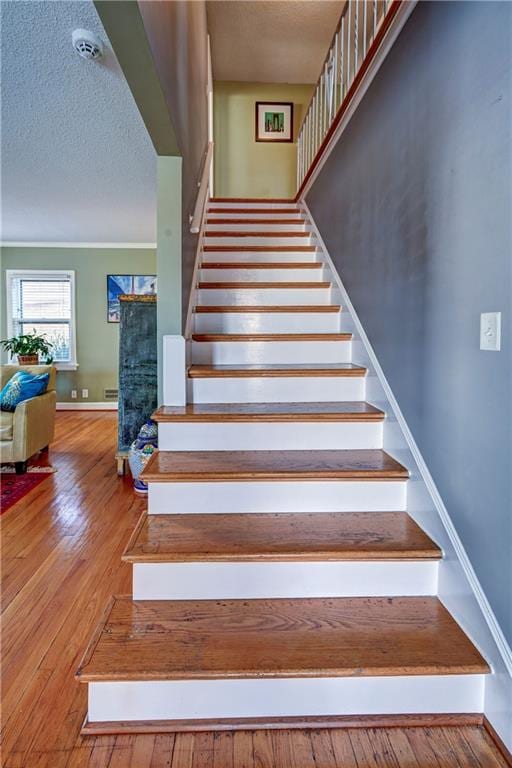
{"type": "Point", "coordinates": [139, 285]}
{"type": "Point", "coordinates": [274, 121]}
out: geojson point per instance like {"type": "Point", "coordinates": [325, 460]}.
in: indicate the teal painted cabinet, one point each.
{"type": "Point", "coordinates": [137, 366]}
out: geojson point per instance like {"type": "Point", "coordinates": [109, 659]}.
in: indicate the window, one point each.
{"type": "Point", "coordinates": [44, 302]}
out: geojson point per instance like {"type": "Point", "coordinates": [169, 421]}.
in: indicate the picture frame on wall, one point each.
{"type": "Point", "coordinates": [138, 285]}
{"type": "Point", "coordinates": [274, 121]}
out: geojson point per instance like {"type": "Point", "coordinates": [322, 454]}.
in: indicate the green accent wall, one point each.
{"type": "Point", "coordinates": [244, 167]}
{"type": "Point", "coordinates": [97, 340]}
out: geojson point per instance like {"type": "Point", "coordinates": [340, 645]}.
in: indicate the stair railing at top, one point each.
{"type": "Point", "coordinates": [202, 192]}
{"type": "Point", "coordinates": [357, 28]}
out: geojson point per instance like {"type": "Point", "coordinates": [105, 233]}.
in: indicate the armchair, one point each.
{"type": "Point", "coordinates": [30, 428]}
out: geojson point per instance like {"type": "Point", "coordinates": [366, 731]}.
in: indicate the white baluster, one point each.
{"type": "Point", "coordinates": [321, 106]}
{"type": "Point", "coordinates": [349, 46]}
{"type": "Point", "coordinates": [356, 39]}
{"type": "Point", "coordinates": [315, 124]}
{"type": "Point", "coordinates": [365, 30]}
{"type": "Point", "coordinates": [335, 74]}
{"type": "Point", "coordinates": [342, 59]}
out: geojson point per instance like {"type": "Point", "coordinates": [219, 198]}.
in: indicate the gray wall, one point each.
{"type": "Point", "coordinates": [415, 208]}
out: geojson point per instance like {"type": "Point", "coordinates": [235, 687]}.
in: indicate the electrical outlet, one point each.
{"type": "Point", "coordinates": [490, 331]}
{"type": "Point", "coordinates": [85, 393]}
{"type": "Point", "coordinates": [73, 394]}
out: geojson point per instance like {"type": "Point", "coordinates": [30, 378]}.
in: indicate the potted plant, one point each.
{"type": "Point", "coordinates": [27, 347]}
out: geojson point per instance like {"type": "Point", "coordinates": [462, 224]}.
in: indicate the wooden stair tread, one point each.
{"type": "Point", "coordinates": [262, 265]}
{"type": "Point", "coordinates": [333, 637]}
{"type": "Point", "coordinates": [246, 337]}
{"type": "Point", "coordinates": [296, 465]}
{"type": "Point", "coordinates": [270, 371]}
{"type": "Point", "coordinates": [245, 233]}
{"type": "Point", "coordinates": [253, 211]}
{"type": "Point", "coordinates": [297, 412]}
{"type": "Point", "coordinates": [260, 248]}
{"type": "Point", "coordinates": [269, 200]}
{"type": "Point", "coordinates": [271, 308]}
{"type": "Point", "coordinates": [297, 285]}
{"type": "Point", "coordinates": [228, 220]}
{"type": "Point", "coordinates": [251, 537]}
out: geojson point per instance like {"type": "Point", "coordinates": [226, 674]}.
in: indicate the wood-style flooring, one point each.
{"type": "Point", "coordinates": [61, 560]}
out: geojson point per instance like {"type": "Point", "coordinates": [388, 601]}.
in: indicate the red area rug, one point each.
{"type": "Point", "coordinates": [15, 487]}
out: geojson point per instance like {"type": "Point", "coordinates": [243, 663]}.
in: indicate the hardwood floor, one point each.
{"type": "Point", "coordinates": [61, 560]}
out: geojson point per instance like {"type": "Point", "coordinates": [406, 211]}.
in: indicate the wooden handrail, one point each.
{"type": "Point", "coordinates": [203, 184]}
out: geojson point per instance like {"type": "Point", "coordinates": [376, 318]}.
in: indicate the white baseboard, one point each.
{"type": "Point", "coordinates": [103, 406]}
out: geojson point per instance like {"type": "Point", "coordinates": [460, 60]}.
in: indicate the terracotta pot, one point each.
{"type": "Point", "coordinates": [28, 359]}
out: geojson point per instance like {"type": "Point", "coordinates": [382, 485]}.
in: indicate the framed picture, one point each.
{"type": "Point", "coordinates": [274, 121]}
{"type": "Point", "coordinates": [140, 285]}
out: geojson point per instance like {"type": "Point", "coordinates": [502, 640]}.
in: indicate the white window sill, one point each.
{"type": "Point", "coordinates": [58, 366]}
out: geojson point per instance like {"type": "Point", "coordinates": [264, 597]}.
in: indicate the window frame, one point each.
{"type": "Point", "coordinates": [44, 274]}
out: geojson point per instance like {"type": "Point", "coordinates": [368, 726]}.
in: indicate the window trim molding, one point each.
{"type": "Point", "coordinates": [10, 274]}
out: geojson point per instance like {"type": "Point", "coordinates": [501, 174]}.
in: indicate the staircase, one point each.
{"type": "Point", "coordinates": [277, 577]}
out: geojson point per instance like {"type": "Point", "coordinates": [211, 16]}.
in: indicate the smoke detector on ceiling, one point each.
{"type": "Point", "coordinates": [87, 44]}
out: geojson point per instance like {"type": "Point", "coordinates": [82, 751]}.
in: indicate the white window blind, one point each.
{"type": "Point", "coordinates": [43, 302]}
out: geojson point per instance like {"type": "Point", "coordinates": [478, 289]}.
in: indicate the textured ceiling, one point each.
{"type": "Point", "coordinates": [77, 162]}
{"type": "Point", "coordinates": [276, 41]}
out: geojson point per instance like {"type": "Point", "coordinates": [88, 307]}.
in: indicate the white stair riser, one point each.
{"type": "Point", "coordinates": [277, 496]}
{"type": "Point", "coordinates": [230, 581]}
{"type": "Point", "coordinates": [252, 256]}
{"type": "Point", "coordinates": [258, 240]}
{"type": "Point", "coordinates": [263, 296]}
{"type": "Point", "coordinates": [270, 352]}
{"type": "Point", "coordinates": [267, 322]}
{"type": "Point", "coordinates": [263, 275]}
{"type": "Point", "coordinates": [298, 226]}
{"type": "Point", "coordinates": [263, 436]}
{"type": "Point", "coordinates": [286, 697]}
{"type": "Point", "coordinates": [277, 390]}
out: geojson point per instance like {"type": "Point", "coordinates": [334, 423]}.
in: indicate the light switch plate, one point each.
{"type": "Point", "coordinates": [490, 331]}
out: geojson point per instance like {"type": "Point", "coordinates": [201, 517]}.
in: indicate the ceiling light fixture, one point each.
{"type": "Point", "coordinates": [87, 44]}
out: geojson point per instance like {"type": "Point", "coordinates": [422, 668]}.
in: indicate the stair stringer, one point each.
{"type": "Point", "coordinates": [459, 588]}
